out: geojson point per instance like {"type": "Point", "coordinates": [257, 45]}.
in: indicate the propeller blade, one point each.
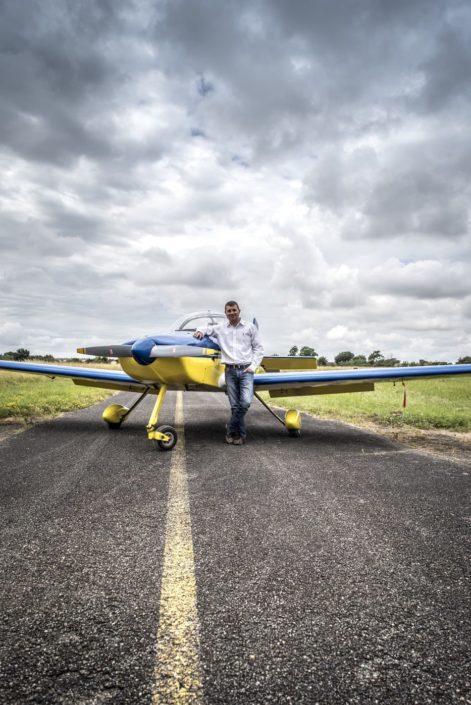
{"type": "Point", "coordinates": [177, 351]}
{"type": "Point", "coordinates": [107, 351]}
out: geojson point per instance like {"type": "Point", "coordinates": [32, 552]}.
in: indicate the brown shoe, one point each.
{"type": "Point", "coordinates": [230, 438]}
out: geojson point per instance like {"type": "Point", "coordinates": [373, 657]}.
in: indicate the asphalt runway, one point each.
{"type": "Point", "coordinates": [328, 569]}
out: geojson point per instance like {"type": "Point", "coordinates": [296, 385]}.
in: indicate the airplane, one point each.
{"type": "Point", "coordinates": [176, 360]}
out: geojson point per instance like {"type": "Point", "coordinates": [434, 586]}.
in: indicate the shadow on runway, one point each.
{"type": "Point", "coordinates": [316, 434]}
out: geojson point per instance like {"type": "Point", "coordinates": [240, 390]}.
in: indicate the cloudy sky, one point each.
{"type": "Point", "coordinates": [311, 159]}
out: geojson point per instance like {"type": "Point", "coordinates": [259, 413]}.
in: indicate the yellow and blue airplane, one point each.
{"type": "Point", "coordinates": [179, 361]}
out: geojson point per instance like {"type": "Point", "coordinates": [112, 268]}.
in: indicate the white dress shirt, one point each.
{"type": "Point", "coordinates": [240, 344]}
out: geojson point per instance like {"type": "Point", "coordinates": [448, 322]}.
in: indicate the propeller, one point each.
{"type": "Point", "coordinates": [107, 351]}
{"type": "Point", "coordinates": [144, 356]}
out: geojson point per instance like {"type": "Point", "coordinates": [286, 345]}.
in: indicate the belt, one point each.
{"type": "Point", "coordinates": [238, 367]}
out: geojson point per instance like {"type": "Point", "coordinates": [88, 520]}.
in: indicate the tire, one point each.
{"type": "Point", "coordinates": [294, 432]}
{"type": "Point", "coordinates": [169, 431]}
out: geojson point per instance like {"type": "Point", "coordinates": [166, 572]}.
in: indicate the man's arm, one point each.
{"type": "Point", "coordinates": [257, 350]}
{"type": "Point", "coordinates": [206, 330]}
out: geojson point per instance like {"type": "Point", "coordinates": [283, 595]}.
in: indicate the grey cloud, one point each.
{"type": "Point", "coordinates": [339, 181]}
{"type": "Point", "coordinates": [62, 77]}
{"type": "Point", "coordinates": [204, 87]}
{"type": "Point", "coordinates": [71, 223]}
{"type": "Point", "coordinates": [196, 269]}
{"type": "Point", "coordinates": [50, 68]}
{"type": "Point", "coordinates": [32, 237]}
{"type": "Point", "coordinates": [416, 201]}
{"type": "Point", "coordinates": [284, 72]}
{"type": "Point", "coordinates": [419, 188]}
{"type": "Point", "coordinates": [446, 73]}
{"type": "Point", "coordinates": [421, 280]}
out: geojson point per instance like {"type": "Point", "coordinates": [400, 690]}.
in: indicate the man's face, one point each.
{"type": "Point", "coordinates": [233, 314]}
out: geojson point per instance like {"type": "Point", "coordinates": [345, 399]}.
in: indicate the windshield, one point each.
{"type": "Point", "coordinates": [199, 319]}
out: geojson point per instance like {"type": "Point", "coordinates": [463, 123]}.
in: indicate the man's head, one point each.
{"type": "Point", "coordinates": [232, 311]}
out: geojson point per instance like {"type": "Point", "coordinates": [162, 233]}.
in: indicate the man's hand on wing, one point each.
{"type": "Point", "coordinates": [198, 334]}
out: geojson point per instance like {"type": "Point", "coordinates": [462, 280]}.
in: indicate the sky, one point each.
{"type": "Point", "coordinates": [310, 159]}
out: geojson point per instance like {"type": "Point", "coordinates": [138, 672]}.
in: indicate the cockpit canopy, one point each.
{"type": "Point", "coordinates": [199, 319]}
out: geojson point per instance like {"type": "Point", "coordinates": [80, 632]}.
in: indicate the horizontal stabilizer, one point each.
{"type": "Point", "coordinates": [274, 363]}
{"type": "Point", "coordinates": [107, 351]}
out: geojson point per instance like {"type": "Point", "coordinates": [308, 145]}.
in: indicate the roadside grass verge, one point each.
{"type": "Point", "coordinates": [26, 397]}
{"type": "Point", "coordinates": [431, 404]}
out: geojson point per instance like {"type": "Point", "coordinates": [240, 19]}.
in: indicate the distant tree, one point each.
{"type": "Point", "coordinates": [322, 361]}
{"type": "Point", "coordinates": [466, 360]}
{"type": "Point", "coordinates": [293, 351]}
{"type": "Point", "coordinates": [388, 362]}
{"type": "Point", "coordinates": [22, 354]}
{"type": "Point", "coordinates": [306, 350]}
{"type": "Point", "coordinates": [375, 357]}
{"type": "Point", "coordinates": [359, 360]}
{"type": "Point", "coordinates": [344, 357]}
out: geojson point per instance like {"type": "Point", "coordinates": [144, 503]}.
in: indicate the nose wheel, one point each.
{"type": "Point", "coordinates": [164, 438]}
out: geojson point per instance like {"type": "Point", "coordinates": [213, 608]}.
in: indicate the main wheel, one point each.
{"type": "Point", "coordinates": [294, 432]}
{"type": "Point", "coordinates": [169, 431]}
{"type": "Point", "coordinates": [114, 415]}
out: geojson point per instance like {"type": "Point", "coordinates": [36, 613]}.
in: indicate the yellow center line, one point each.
{"type": "Point", "coordinates": [177, 671]}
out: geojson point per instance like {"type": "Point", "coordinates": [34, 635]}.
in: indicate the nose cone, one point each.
{"type": "Point", "coordinates": [141, 350]}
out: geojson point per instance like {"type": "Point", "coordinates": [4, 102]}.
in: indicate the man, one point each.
{"type": "Point", "coordinates": [242, 352]}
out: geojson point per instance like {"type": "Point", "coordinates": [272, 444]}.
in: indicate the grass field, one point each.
{"type": "Point", "coordinates": [25, 397]}
{"type": "Point", "coordinates": [431, 404]}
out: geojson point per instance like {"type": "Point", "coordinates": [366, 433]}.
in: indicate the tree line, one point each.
{"type": "Point", "coordinates": [22, 354]}
{"type": "Point", "coordinates": [374, 359]}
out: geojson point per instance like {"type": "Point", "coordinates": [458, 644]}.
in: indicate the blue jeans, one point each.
{"type": "Point", "coordinates": [239, 385]}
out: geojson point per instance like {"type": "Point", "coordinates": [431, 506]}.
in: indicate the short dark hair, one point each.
{"type": "Point", "coordinates": [231, 303]}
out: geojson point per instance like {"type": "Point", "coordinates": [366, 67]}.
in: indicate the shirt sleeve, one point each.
{"type": "Point", "coordinates": [207, 330]}
{"type": "Point", "coordinates": [257, 349]}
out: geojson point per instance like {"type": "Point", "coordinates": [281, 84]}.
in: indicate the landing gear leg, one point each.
{"type": "Point", "coordinates": [292, 420]}
{"type": "Point", "coordinates": [163, 437]}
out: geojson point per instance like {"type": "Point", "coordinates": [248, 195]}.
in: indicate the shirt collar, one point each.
{"type": "Point", "coordinates": [241, 323]}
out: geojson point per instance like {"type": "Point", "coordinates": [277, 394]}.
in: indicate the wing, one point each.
{"type": "Point", "coordinates": [287, 384]}
{"type": "Point", "coordinates": [107, 379]}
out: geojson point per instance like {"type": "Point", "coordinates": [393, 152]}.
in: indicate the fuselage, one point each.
{"type": "Point", "coordinates": [178, 372]}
